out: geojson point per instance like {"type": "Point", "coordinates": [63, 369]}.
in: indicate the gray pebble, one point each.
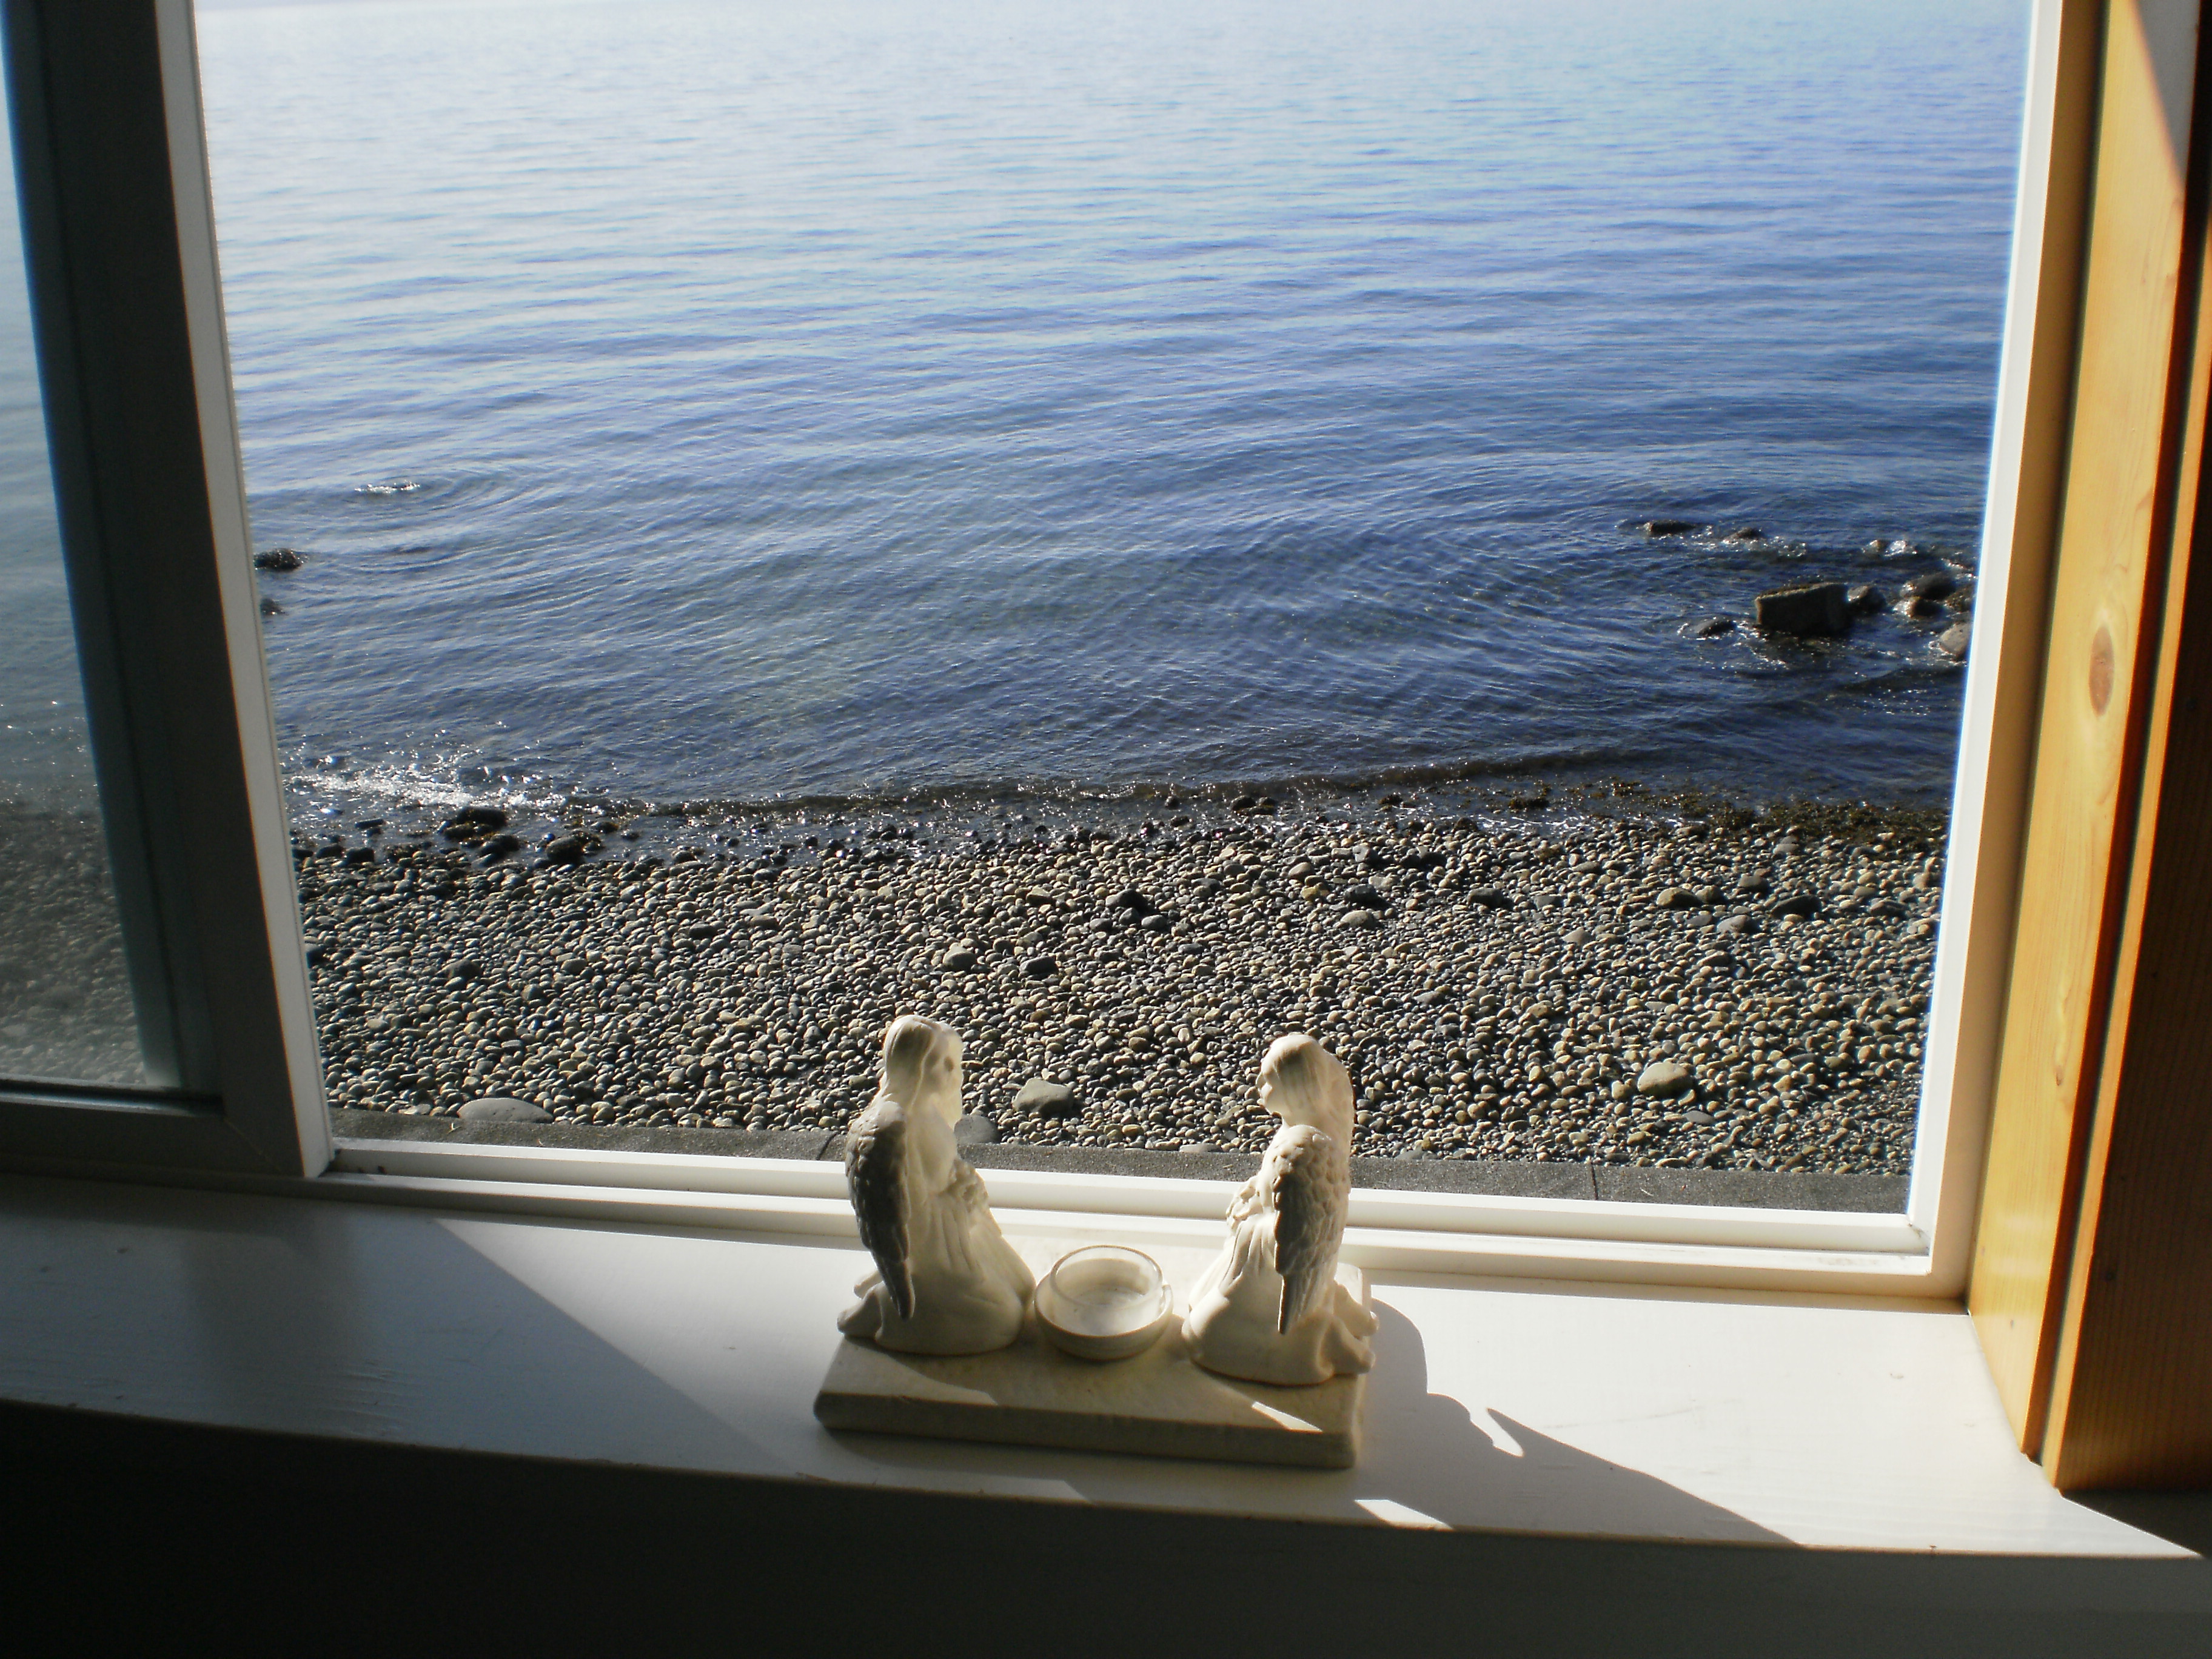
{"type": "Point", "coordinates": [493, 1108]}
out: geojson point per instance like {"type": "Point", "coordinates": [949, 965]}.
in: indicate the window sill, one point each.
{"type": "Point", "coordinates": [1538, 1407]}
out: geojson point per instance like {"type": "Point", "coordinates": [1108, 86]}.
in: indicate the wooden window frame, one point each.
{"type": "Point", "coordinates": [2091, 1274]}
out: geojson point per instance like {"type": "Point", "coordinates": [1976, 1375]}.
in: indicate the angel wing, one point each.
{"type": "Point", "coordinates": [875, 1169]}
{"type": "Point", "coordinates": [1308, 1187]}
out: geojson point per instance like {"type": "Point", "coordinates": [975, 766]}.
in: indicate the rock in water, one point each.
{"type": "Point", "coordinates": [1865, 600]}
{"type": "Point", "coordinates": [1670, 526]}
{"type": "Point", "coordinates": [1816, 608]}
{"type": "Point", "coordinates": [1046, 1098]}
{"type": "Point", "coordinates": [569, 849]}
{"type": "Point", "coordinates": [1664, 1078]}
{"type": "Point", "coordinates": [1954, 640]}
{"type": "Point", "coordinates": [1933, 585]}
{"type": "Point", "coordinates": [278, 558]}
{"type": "Point", "coordinates": [495, 1108]}
{"type": "Point", "coordinates": [472, 821]}
{"type": "Point", "coordinates": [1712, 627]}
{"type": "Point", "coordinates": [1748, 533]}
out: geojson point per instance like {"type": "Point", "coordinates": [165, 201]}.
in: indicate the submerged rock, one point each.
{"type": "Point", "coordinates": [278, 558]}
{"type": "Point", "coordinates": [1658, 527]}
{"type": "Point", "coordinates": [1748, 533]}
{"type": "Point", "coordinates": [1931, 585]}
{"type": "Point", "coordinates": [1712, 627]}
{"type": "Point", "coordinates": [1815, 608]}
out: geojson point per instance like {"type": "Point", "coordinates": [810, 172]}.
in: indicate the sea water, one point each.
{"type": "Point", "coordinates": [744, 401]}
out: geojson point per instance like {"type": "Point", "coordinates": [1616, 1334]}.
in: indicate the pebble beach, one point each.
{"type": "Point", "coordinates": [1632, 985]}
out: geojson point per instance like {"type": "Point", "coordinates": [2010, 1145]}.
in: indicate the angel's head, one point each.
{"type": "Point", "coordinates": [1301, 1082]}
{"type": "Point", "coordinates": [921, 1062]}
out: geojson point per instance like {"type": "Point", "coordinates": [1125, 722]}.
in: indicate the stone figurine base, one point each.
{"type": "Point", "coordinates": [1157, 1404]}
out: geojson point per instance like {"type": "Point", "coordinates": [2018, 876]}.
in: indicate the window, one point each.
{"type": "Point", "coordinates": [152, 522]}
{"type": "Point", "coordinates": [235, 904]}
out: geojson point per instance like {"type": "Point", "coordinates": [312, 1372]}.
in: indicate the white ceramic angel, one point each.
{"type": "Point", "coordinates": [947, 1281]}
{"type": "Point", "coordinates": [1270, 1309]}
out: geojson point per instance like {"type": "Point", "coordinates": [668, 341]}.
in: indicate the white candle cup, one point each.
{"type": "Point", "coordinates": [1105, 1302]}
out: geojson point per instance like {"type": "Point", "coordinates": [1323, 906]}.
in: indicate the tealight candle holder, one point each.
{"type": "Point", "coordinates": [1105, 1302]}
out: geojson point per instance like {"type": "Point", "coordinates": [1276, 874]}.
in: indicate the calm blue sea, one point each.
{"type": "Point", "coordinates": [739, 400]}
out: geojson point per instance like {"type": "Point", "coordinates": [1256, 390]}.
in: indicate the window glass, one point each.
{"type": "Point", "coordinates": [65, 1007]}
{"type": "Point", "coordinates": [1131, 530]}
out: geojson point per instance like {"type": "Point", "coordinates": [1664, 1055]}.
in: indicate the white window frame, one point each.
{"type": "Point", "coordinates": [253, 1111]}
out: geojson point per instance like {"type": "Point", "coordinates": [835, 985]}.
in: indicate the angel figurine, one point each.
{"type": "Point", "coordinates": [947, 1281]}
{"type": "Point", "coordinates": [1270, 1309]}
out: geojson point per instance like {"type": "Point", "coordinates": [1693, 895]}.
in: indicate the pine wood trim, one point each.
{"type": "Point", "coordinates": [2131, 1385]}
{"type": "Point", "coordinates": [2106, 711]}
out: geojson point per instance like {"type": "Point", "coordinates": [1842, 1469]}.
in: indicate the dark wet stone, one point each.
{"type": "Point", "coordinates": [1712, 627]}
{"type": "Point", "coordinates": [472, 821]}
{"type": "Point", "coordinates": [1811, 609]}
{"type": "Point", "coordinates": [1865, 600]}
{"type": "Point", "coordinates": [1932, 585]}
{"type": "Point", "coordinates": [278, 558]}
{"type": "Point", "coordinates": [270, 608]}
{"type": "Point", "coordinates": [1670, 526]}
{"type": "Point", "coordinates": [569, 849]}
{"type": "Point", "coordinates": [1748, 533]}
{"type": "Point", "coordinates": [501, 846]}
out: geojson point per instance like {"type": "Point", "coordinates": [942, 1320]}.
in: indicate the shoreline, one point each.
{"type": "Point", "coordinates": [1499, 984]}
